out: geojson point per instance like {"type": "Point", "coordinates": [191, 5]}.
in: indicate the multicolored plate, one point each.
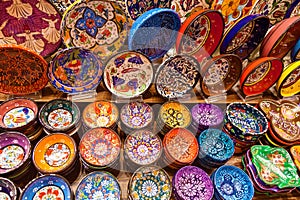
{"type": "Point", "coordinates": [220, 74]}
{"type": "Point", "coordinates": [8, 190]}
{"type": "Point", "coordinates": [150, 182]}
{"type": "Point", "coordinates": [154, 32]}
{"type": "Point", "coordinates": [75, 70]}
{"type": "Point", "coordinates": [22, 71]}
{"type": "Point", "coordinates": [128, 74]}
{"type": "Point", "coordinates": [33, 24]}
{"type": "Point", "coordinates": [176, 76]}
{"type": "Point", "coordinates": [95, 24]}
{"type": "Point", "coordinates": [98, 185]}
{"type": "Point", "coordinates": [260, 75]}
{"type": "Point", "coordinates": [48, 187]}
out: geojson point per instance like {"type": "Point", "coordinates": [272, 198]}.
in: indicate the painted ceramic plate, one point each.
{"type": "Point", "coordinates": [33, 24]}
{"type": "Point", "coordinates": [95, 24]}
{"type": "Point", "coordinates": [15, 150]}
{"type": "Point", "coordinates": [128, 74]}
{"type": "Point", "coordinates": [245, 35]}
{"type": "Point", "coordinates": [176, 76]}
{"type": "Point", "coordinates": [200, 34]}
{"type": "Point", "coordinates": [260, 75]}
{"type": "Point", "coordinates": [75, 70]}
{"type": "Point", "coordinates": [154, 32]}
{"type": "Point", "coordinates": [100, 114]}
{"type": "Point", "coordinates": [59, 115]}
{"type": "Point", "coordinates": [136, 115]}
{"type": "Point", "coordinates": [295, 53]}
{"type": "Point", "coordinates": [220, 74]}
{"type": "Point", "coordinates": [150, 182]}
{"type": "Point", "coordinates": [98, 185]}
{"type": "Point", "coordinates": [8, 190]}
{"type": "Point", "coordinates": [207, 115]}
{"type": "Point", "coordinates": [100, 147]}
{"type": "Point", "coordinates": [295, 153]}
{"type": "Point", "coordinates": [54, 153]}
{"type": "Point", "coordinates": [232, 183]}
{"type": "Point", "coordinates": [191, 182]}
{"type": "Point", "coordinates": [288, 83]}
{"type": "Point", "coordinates": [47, 187]}
{"type": "Point", "coordinates": [62, 5]}
{"type": "Point", "coordinates": [22, 71]}
{"type": "Point", "coordinates": [143, 147]}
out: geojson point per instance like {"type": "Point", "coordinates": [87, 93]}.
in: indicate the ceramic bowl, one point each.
{"type": "Point", "coordinates": [59, 115]}
{"type": "Point", "coordinates": [15, 151]}
{"type": "Point", "coordinates": [98, 185]}
{"type": "Point", "coordinates": [295, 53]}
{"type": "Point", "coordinates": [8, 190]}
{"type": "Point", "coordinates": [48, 187]}
{"type": "Point", "coordinates": [295, 153]}
{"type": "Point", "coordinates": [200, 185]}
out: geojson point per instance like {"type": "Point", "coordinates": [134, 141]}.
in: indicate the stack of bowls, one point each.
{"type": "Point", "coordinates": [20, 114]}
{"type": "Point", "coordinates": [180, 148]}
{"type": "Point", "coordinates": [8, 190]}
{"type": "Point", "coordinates": [215, 148]}
{"type": "Point", "coordinates": [60, 116]}
{"type": "Point", "coordinates": [245, 125]}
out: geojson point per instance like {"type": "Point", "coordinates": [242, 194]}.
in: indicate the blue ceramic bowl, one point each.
{"type": "Point", "coordinates": [295, 51]}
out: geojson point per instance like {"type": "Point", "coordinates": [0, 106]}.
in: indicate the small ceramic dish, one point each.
{"type": "Point", "coordinates": [8, 190]}
{"type": "Point", "coordinates": [295, 52]}
{"type": "Point", "coordinates": [59, 115]}
{"type": "Point", "coordinates": [128, 74]}
{"type": "Point", "coordinates": [200, 34]}
{"type": "Point", "coordinates": [154, 32]}
{"type": "Point", "coordinates": [101, 185]}
{"type": "Point", "coordinates": [54, 153]}
{"type": "Point", "coordinates": [75, 70]}
{"type": "Point", "coordinates": [220, 74]}
{"type": "Point", "coordinates": [260, 75]}
{"type": "Point", "coordinates": [48, 187]}
{"type": "Point", "coordinates": [150, 182]}
{"type": "Point", "coordinates": [15, 150]}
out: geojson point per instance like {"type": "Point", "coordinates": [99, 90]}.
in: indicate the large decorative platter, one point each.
{"type": "Point", "coordinates": [260, 75]}
{"type": "Point", "coordinates": [33, 24]}
{"type": "Point", "coordinates": [98, 185]}
{"type": "Point", "coordinates": [22, 70]}
{"type": "Point", "coordinates": [75, 70]}
{"type": "Point", "coordinates": [245, 35]}
{"type": "Point", "coordinates": [154, 32]}
{"type": "Point", "coordinates": [128, 74]}
{"type": "Point", "coordinates": [200, 34]}
{"type": "Point", "coordinates": [95, 24]}
{"type": "Point", "coordinates": [176, 76]}
{"type": "Point", "coordinates": [8, 190]}
{"type": "Point", "coordinates": [220, 74]}
{"type": "Point", "coordinates": [48, 187]}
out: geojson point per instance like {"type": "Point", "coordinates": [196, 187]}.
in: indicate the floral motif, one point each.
{"type": "Point", "coordinates": [217, 73]}
{"type": "Point", "coordinates": [18, 117]}
{"type": "Point", "coordinates": [57, 154]}
{"type": "Point", "coordinates": [258, 74]}
{"type": "Point", "coordinates": [11, 156]}
{"type": "Point", "coordinates": [49, 192]}
{"type": "Point", "coordinates": [207, 114]}
{"type": "Point", "coordinates": [4, 196]}
{"type": "Point", "coordinates": [60, 118]}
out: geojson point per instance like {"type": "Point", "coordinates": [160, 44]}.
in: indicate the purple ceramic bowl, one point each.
{"type": "Point", "coordinates": [191, 182]}
{"type": "Point", "coordinates": [15, 150]}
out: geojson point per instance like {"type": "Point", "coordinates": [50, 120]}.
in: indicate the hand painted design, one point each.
{"type": "Point", "coordinates": [258, 74]}
{"type": "Point", "coordinates": [49, 192]}
{"type": "Point", "coordinates": [4, 196]}
{"type": "Point", "coordinates": [241, 37]}
{"type": "Point", "coordinates": [60, 118]}
{"type": "Point", "coordinates": [207, 115]}
{"type": "Point", "coordinates": [292, 78]}
{"type": "Point", "coordinates": [30, 41]}
{"type": "Point", "coordinates": [51, 34]}
{"type": "Point", "coordinates": [295, 153]}
{"type": "Point", "coordinates": [185, 7]}
{"type": "Point", "coordinates": [62, 5]}
{"type": "Point", "coordinates": [19, 9]}
{"type": "Point", "coordinates": [11, 156]}
{"type": "Point", "coordinates": [218, 72]}
{"type": "Point", "coordinates": [18, 117]}
{"type": "Point", "coordinates": [3, 39]}
{"type": "Point", "coordinates": [46, 7]}
{"type": "Point", "coordinates": [57, 154]}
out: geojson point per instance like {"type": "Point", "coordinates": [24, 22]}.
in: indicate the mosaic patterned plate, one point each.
{"type": "Point", "coordinates": [200, 34]}
{"type": "Point", "coordinates": [207, 115]}
{"type": "Point", "coordinates": [176, 76]}
{"type": "Point", "coordinates": [47, 187]}
{"type": "Point", "coordinates": [33, 24]}
{"type": "Point", "coordinates": [288, 83]}
{"type": "Point", "coordinates": [136, 115]}
{"type": "Point", "coordinates": [231, 182]}
{"type": "Point", "coordinates": [220, 74]}
{"type": "Point", "coordinates": [54, 153]}
{"type": "Point", "coordinates": [128, 74]}
{"type": "Point", "coordinates": [59, 115]}
{"type": "Point", "coordinates": [154, 32]}
{"type": "Point", "coordinates": [22, 71]}
{"type": "Point", "coordinates": [100, 147]}
{"type": "Point", "coordinates": [143, 147]}
{"type": "Point", "coordinates": [97, 25]}
{"type": "Point", "coordinates": [8, 190]}
{"type": "Point", "coordinates": [295, 52]}
{"type": "Point", "coordinates": [260, 75]}
{"type": "Point", "coordinates": [275, 166]}
{"type": "Point", "coordinates": [245, 35]}
{"type": "Point", "coordinates": [62, 5]}
{"type": "Point", "coordinates": [15, 150]}
{"type": "Point", "coordinates": [191, 182]}
{"type": "Point", "coordinates": [75, 70]}
{"type": "Point", "coordinates": [98, 185]}
{"type": "Point", "coordinates": [150, 182]}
